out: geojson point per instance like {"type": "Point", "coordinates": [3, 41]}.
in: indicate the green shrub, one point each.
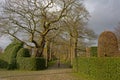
{"type": "Point", "coordinates": [11, 50]}
{"type": "Point", "coordinates": [3, 64]}
{"type": "Point", "coordinates": [23, 52]}
{"type": "Point", "coordinates": [30, 63]}
{"type": "Point", "coordinates": [11, 45]}
{"type": "Point", "coordinates": [10, 54]}
{"type": "Point", "coordinates": [99, 68]}
{"type": "Point", "coordinates": [12, 65]}
{"type": "Point", "coordinates": [14, 51]}
{"type": "Point", "coordinates": [93, 51]}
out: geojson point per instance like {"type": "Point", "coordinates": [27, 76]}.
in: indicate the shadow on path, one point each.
{"type": "Point", "coordinates": [59, 66]}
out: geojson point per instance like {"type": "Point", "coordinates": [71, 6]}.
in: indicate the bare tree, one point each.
{"type": "Point", "coordinates": [37, 23]}
{"type": "Point", "coordinates": [76, 28]}
{"type": "Point", "coordinates": [33, 19]}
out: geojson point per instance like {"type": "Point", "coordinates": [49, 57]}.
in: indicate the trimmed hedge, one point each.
{"type": "Point", "coordinates": [10, 56]}
{"type": "Point", "coordinates": [108, 45]}
{"type": "Point", "coordinates": [23, 52]}
{"type": "Point", "coordinates": [12, 64]}
{"type": "Point", "coordinates": [30, 63]}
{"type": "Point", "coordinates": [99, 68]}
{"type": "Point", "coordinates": [11, 45]}
{"type": "Point", "coordinates": [93, 51]}
{"type": "Point", "coordinates": [10, 53]}
{"type": "Point", "coordinates": [3, 64]}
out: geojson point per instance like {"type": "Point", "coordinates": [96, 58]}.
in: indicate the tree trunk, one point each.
{"type": "Point", "coordinates": [41, 49]}
{"type": "Point", "coordinates": [73, 48]}
{"type": "Point", "coordinates": [35, 52]}
{"type": "Point", "coordinates": [38, 50]}
{"type": "Point", "coordinates": [48, 50]}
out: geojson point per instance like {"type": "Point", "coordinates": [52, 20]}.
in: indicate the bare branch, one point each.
{"type": "Point", "coordinates": [18, 39]}
{"type": "Point", "coordinates": [46, 32]}
{"type": "Point", "coordinates": [20, 25]}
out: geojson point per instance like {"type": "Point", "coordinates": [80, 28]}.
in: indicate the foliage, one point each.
{"type": "Point", "coordinates": [12, 64]}
{"type": "Point", "coordinates": [51, 63]}
{"type": "Point", "coordinates": [23, 52]}
{"type": "Point", "coordinates": [107, 44]}
{"type": "Point", "coordinates": [10, 54]}
{"type": "Point", "coordinates": [15, 42]}
{"type": "Point", "coordinates": [99, 68]}
{"type": "Point", "coordinates": [3, 64]}
{"type": "Point", "coordinates": [30, 63]}
{"type": "Point", "coordinates": [93, 51]}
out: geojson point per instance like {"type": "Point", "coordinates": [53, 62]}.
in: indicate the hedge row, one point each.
{"type": "Point", "coordinates": [23, 52]}
{"type": "Point", "coordinates": [93, 51]}
{"type": "Point", "coordinates": [99, 68]}
{"type": "Point", "coordinates": [10, 54]}
{"type": "Point", "coordinates": [24, 63]}
{"type": "Point", "coordinates": [3, 64]}
{"type": "Point", "coordinates": [30, 63]}
{"type": "Point", "coordinates": [17, 57]}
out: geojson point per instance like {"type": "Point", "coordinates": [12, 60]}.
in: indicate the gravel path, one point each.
{"type": "Point", "coordinates": [53, 74]}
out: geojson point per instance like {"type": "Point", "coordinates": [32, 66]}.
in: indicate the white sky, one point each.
{"type": "Point", "coordinates": [4, 40]}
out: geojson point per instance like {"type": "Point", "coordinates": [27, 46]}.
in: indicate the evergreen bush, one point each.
{"type": "Point", "coordinates": [10, 54]}
{"type": "Point", "coordinates": [3, 64]}
{"type": "Point", "coordinates": [99, 68]}
{"type": "Point", "coordinates": [23, 52]}
{"type": "Point", "coordinates": [93, 51]}
{"type": "Point", "coordinates": [25, 63]}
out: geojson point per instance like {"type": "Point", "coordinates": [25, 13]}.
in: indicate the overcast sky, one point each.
{"type": "Point", "coordinates": [105, 15]}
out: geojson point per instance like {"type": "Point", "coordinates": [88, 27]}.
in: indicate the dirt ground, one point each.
{"type": "Point", "coordinates": [55, 72]}
{"type": "Point", "coordinates": [51, 74]}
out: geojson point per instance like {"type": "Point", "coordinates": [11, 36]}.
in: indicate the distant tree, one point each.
{"type": "Point", "coordinates": [76, 28]}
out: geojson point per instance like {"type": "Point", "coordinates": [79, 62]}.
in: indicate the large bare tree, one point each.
{"type": "Point", "coordinates": [34, 18]}
{"type": "Point", "coordinates": [40, 21]}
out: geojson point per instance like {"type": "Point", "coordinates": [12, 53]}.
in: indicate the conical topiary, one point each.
{"type": "Point", "coordinates": [107, 44]}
